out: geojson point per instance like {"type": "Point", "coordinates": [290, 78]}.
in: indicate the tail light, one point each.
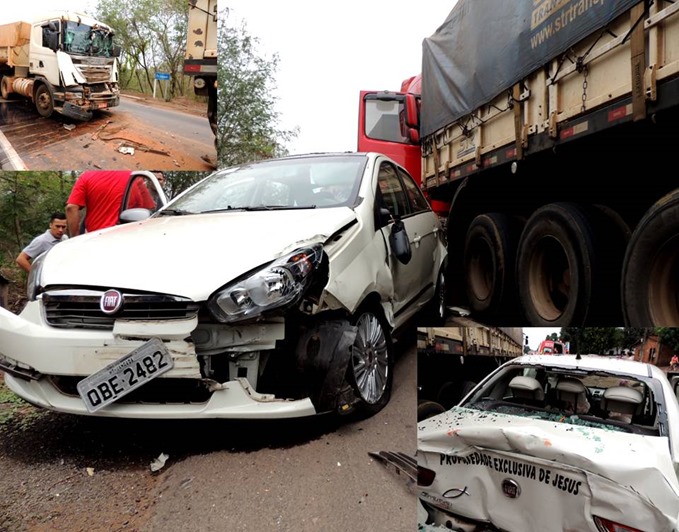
{"type": "Point", "coordinates": [605, 525]}
{"type": "Point", "coordinates": [425, 476]}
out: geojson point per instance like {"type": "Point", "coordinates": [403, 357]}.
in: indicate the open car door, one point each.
{"type": "Point", "coordinates": [144, 195]}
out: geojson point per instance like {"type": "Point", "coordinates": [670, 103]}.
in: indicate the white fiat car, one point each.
{"type": "Point", "coordinates": [268, 290]}
{"type": "Point", "coordinates": [553, 443]}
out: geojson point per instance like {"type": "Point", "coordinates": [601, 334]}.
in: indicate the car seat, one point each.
{"type": "Point", "coordinates": [571, 395]}
{"type": "Point", "coordinates": [527, 390]}
{"type": "Point", "coordinates": [621, 403]}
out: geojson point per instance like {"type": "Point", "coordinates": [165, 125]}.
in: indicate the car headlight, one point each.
{"type": "Point", "coordinates": [33, 287]}
{"type": "Point", "coordinates": [279, 284]}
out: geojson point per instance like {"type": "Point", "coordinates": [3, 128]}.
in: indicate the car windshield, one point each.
{"type": "Point", "coordinates": [577, 397]}
{"type": "Point", "coordinates": [296, 183]}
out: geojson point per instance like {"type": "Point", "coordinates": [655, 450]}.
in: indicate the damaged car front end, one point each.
{"type": "Point", "coordinates": [249, 296]}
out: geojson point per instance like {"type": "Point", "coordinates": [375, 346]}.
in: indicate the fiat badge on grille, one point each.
{"type": "Point", "coordinates": [111, 302]}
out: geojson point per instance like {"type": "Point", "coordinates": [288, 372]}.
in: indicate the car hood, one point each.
{"type": "Point", "coordinates": [190, 255]}
{"type": "Point", "coordinates": [468, 446]}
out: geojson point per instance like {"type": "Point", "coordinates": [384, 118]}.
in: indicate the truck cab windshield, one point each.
{"type": "Point", "coordinates": [82, 39]}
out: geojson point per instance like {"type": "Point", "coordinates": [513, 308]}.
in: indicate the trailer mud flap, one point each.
{"type": "Point", "coordinates": [322, 355]}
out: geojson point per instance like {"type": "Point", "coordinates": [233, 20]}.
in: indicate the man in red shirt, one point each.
{"type": "Point", "coordinates": [101, 193]}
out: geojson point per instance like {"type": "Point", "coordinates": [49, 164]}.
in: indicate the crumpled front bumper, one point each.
{"type": "Point", "coordinates": [31, 351]}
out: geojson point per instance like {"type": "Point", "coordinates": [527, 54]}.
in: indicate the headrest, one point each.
{"type": "Point", "coordinates": [570, 385]}
{"type": "Point", "coordinates": [621, 399]}
{"type": "Point", "coordinates": [527, 387]}
{"type": "Point", "coordinates": [623, 394]}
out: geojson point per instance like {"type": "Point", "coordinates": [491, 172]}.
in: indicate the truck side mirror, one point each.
{"type": "Point", "coordinates": [52, 38]}
{"type": "Point", "coordinates": [116, 51]}
{"type": "Point", "coordinates": [412, 112]}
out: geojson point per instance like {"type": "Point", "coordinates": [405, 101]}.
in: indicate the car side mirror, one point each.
{"type": "Point", "coordinates": [400, 242]}
{"type": "Point", "coordinates": [136, 214]}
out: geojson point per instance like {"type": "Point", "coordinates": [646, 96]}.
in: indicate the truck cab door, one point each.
{"type": "Point", "coordinates": [143, 196]}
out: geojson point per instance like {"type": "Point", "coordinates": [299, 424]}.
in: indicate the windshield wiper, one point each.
{"type": "Point", "coordinates": [278, 207]}
{"type": "Point", "coordinates": [173, 212]}
{"type": "Point", "coordinates": [251, 208]}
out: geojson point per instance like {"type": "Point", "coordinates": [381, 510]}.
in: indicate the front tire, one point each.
{"type": "Point", "coordinates": [650, 274]}
{"type": "Point", "coordinates": [370, 371]}
{"type": "Point", "coordinates": [44, 103]}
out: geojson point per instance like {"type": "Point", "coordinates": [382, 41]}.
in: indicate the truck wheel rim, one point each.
{"type": "Point", "coordinates": [370, 359]}
{"type": "Point", "coordinates": [549, 279]}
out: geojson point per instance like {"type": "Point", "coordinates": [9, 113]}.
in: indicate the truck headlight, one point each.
{"type": "Point", "coordinates": [33, 287]}
{"type": "Point", "coordinates": [279, 284]}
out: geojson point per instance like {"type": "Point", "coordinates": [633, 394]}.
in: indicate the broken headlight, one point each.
{"type": "Point", "coordinates": [33, 287]}
{"type": "Point", "coordinates": [279, 284]}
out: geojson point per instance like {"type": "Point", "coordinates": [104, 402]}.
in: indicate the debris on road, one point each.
{"type": "Point", "coordinates": [69, 127]}
{"type": "Point", "coordinates": [159, 462]}
{"type": "Point", "coordinates": [127, 150]}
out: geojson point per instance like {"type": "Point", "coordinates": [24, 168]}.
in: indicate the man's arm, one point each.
{"type": "Point", "coordinates": [73, 219]}
{"type": "Point", "coordinates": [24, 261]}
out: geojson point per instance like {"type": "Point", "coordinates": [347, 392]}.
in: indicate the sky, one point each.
{"type": "Point", "coordinates": [329, 51]}
{"type": "Point", "coordinates": [537, 334]}
{"type": "Point", "coordinates": [29, 9]}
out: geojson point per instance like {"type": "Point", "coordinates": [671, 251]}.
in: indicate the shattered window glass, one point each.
{"type": "Point", "coordinates": [584, 398]}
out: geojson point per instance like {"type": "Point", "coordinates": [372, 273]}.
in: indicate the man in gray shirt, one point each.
{"type": "Point", "coordinates": [43, 242]}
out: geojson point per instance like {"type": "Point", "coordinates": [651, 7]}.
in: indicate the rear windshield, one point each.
{"type": "Point", "coordinates": [593, 399]}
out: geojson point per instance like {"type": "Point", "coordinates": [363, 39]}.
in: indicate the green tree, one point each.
{"type": "Point", "coordinates": [177, 182]}
{"type": "Point", "coordinates": [593, 340]}
{"type": "Point", "coordinates": [247, 120]}
{"type": "Point", "coordinates": [669, 336]}
{"type": "Point", "coordinates": [26, 201]}
{"type": "Point", "coordinates": [152, 36]}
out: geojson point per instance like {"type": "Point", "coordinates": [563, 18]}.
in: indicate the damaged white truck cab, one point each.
{"type": "Point", "coordinates": [267, 290]}
{"type": "Point", "coordinates": [64, 62]}
{"type": "Point", "coordinates": [556, 443]}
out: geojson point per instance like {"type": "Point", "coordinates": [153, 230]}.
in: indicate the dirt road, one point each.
{"type": "Point", "coordinates": [141, 134]}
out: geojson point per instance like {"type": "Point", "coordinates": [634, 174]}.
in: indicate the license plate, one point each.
{"type": "Point", "coordinates": [125, 375]}
{"type": "Point", "coordinates": [101, 105]}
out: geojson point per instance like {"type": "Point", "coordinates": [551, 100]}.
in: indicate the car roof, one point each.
{"type": "Point", "coordinates": [592, 362]}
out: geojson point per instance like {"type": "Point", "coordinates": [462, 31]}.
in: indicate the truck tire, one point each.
{"type": "Point", "coordinates": [44, 103]}
{"type": "Point", "coordinates": [489, 257]}
{"type": "Point", "coordinates": [437, 309]}
{"type": "Point", "coordinates": [650, 273]}
{"type": "Point", "coordinates": [569, 266]}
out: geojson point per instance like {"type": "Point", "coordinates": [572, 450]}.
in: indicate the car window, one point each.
{"type": "Point", "coordinates": [585, 398]}
{"type": "Point", "coordinates": [418, 202]}
{"type": "Point", "coordinates": [392, 191]}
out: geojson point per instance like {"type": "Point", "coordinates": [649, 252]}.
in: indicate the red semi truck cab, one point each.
{"type": "Point", "coordinates": [388, 123]}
